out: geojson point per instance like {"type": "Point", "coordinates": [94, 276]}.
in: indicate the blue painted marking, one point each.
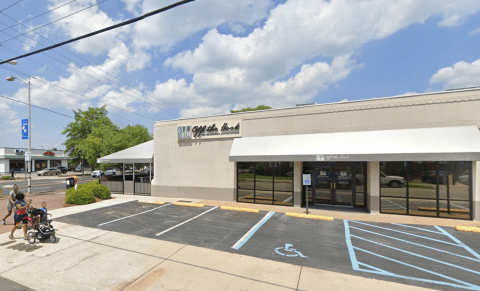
{"type": "Point", "coordinates": [420, 245]}
{"type": "Point", "coordinates": [424, 237]}
{"type": "Point", "coordinates": [348, 240]}
{"type": "Point", "coordinates": [380, 271]}
{"type": "Point", "coordinates": [252, 231]}
{"type": "Point", "coordinates": [465, 285]}
{"type": "Point", "coordinates": [404, 225]}
{"type": "Point", "coordinates": [458, 242]}
{"type": "Point", "coordinates": [417, 255]}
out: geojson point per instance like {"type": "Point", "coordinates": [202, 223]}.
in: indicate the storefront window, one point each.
{"type": "Point", "coordinates": [17, 165]}
{"type": "Point", "coordinates": [55, 163]}
{"type": "Point", "coordinates": [40, 165]}
{"type": "Point", "coordinates": [265, 182]}
{"type": "Point", "coordinates": [439, 189]}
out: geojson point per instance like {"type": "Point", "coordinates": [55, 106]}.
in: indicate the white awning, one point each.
{"type": "Point", "coordinates": [142, 153]}
{"type": "Point", "coordinates": [424, 144]}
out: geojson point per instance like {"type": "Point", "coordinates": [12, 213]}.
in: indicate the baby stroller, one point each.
{"type": "Point", "coordinates": [42, 227]}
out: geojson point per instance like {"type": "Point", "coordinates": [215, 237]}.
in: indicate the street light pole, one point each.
{"type": "Point", "coordinates": [29, 162]}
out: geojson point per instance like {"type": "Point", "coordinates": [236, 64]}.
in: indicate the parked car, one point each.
{"type": "Point", "coordinates": [391, 181]}
{"type": "Point", "coordinates": [78, 168]}
{"type": "Point", "coordinates": [465, 178]}
{"type": "Point", "coordinates": [109, 173]}
{"type": "Point", "coordinates": [431, 178]}
{"type": "Point", "coordinates": [61, 168]}
{"type": "Point", "coordinates": [97, 174]}
{"type": "Point", "coordinates": [49, 172]}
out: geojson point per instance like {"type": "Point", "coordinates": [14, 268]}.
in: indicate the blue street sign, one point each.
{"type": "Point", "coordinates": [24, 128]}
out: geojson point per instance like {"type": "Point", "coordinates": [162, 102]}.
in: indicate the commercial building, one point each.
{"type": "Point", "coordinates": [412, 155]}
{"type": "Point", "coordinates": [14, 158]}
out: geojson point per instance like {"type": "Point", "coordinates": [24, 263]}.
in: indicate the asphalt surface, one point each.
{"type": "Point", "coordinates": [9, 285]}
{"type": "Point", "coordinates": [41, 185]}
{"type": "Point", "coordinates": [427, 256]}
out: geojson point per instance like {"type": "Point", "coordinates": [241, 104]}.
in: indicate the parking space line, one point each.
{"type": "Point", "coordinates": [419, 245]}
{"type": "Point", "coordinates": [465, 285]}
{"type": "Point", "coordinates": [132, 215]}
{"type": "Point", "coordinates": [467, 248]}
{"type": "Point", "coordinates": [252, 231]}
{"type": "Point", "coordinates": [185, 221]}
{"type": "Point", "coordinates": [424, 237]}
{"type": "Point", "coordinates": [417, 255]}
{"type": "Point", "coordinates": [427, 230]}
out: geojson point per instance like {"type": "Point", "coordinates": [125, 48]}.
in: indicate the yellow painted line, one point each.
{"type": "Point", "coordinates": [154, 202]}
{"type": "Point", "coordinates": [468, 228]}
{"type": "Point", "coordinates": [240, 209]}
{"type": "Point", "coordinates": [443, 209]}
{"type": "Point", "coordinates": [309, 216]}
{"type": "Point", "coordinates": [188, 204]}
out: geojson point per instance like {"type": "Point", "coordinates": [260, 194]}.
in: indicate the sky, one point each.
{"type": "Point", "coordinates": [208, 57]}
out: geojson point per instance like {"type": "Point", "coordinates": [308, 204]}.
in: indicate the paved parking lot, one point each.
{"type": "Point", "coordinates": [425, 256]}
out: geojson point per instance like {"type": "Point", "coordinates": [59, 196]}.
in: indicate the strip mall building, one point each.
{"type": "Point", "coordinates": [409, 155]}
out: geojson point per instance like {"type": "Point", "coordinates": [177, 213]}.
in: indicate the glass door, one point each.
{"type": "Point", "coordinates": [343, 184]}
{"type": "Point", "coordinates": [322, 184]}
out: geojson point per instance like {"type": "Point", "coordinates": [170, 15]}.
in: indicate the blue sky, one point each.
{"type": "Point", "coordinates": [210, 56]}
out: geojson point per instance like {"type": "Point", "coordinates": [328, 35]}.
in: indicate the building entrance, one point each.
{"type": "Point", "coordinates": [339, 183]}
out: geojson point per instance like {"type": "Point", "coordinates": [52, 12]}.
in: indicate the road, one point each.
{"type": "Point", "coordinates": [43, 185]}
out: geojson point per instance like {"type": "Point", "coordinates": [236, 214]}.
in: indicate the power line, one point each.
{"type": "Point", "coordinates": [11, 5]}
{"type": "Point", "coordinates": [164, 108]}
{"type": "Point", "coordinates": [55, 20]}
{"type": "Point", "coordinates": [59, 88]}
{"type": "Point", "coordinates": [102, 30]}
{"type": "Point", "coordinates": [37, 107]}
{"type": "Point", "coordinates": [152, 99]}
{"type": "Point", "coordinates": [53, 9]}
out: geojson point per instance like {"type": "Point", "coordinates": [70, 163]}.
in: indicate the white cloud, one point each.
{"type": "Point", "coordinates": [242, 70]}
{"type": "Point", "coordinates": [168, 28]}
{"type": "Point", "coordinates": [462, 74]}
{"type": "Point", "coordinates": [475, 31]}
{"type": "Point", "coordinates": [84, 22]}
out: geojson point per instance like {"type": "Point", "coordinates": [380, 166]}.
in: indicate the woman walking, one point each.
{"type": "Point", "coordinates": [11, 202]}
{"type": "Point", "coordinates": [21, 216]}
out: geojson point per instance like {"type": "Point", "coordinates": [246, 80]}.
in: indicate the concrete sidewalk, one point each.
{"type": "Point", "coordinates": [93, 259]}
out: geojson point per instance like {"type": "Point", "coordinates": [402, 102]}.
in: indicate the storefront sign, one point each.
{"type": "Point", "coordinates": [214, 130]}
{"type": "Point", "coordinates": [332, 157]}
{"type": "Point", "coordinates": [48, 153]}
{"type": "Point", "coordinates": [19, 152]}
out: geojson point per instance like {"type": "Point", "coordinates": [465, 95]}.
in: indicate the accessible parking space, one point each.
{"type": "Point", "coordinates": [426, 256]}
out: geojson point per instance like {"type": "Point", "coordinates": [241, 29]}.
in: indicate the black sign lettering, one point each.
{"type": "Point", "coordinates": [213, 129]}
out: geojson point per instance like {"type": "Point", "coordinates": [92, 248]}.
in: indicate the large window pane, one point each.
{"type": "Point", "coordinates": [423, 207]}
{"type": "Point", "coordinates": [393, 191]}
{"type": "Point", "coordinates": [393, 176]}
{"type": "Point", "coordinates": [393, 205]}
{"type": "Point", "coordinates": [422, 181]}
{"type": "Point", "coordinates": [283, 183]}
{"type": "Point", "coordinates": [264, 183]}
{"type": "Point", "coordinates": [246, 182]}
{"type": "Point", "coordinates": [458, 209]}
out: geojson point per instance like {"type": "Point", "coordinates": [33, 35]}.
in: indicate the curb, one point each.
{"type": "Point", "coordinates": [309, 216]}
{"type": "Point", "coordinates": [240, 209]}
{"type": "Point", "coordinates": [467, 228]}
{"type": "Point", "coordinates": [153, 202]}
{"type": "Point", "coordinates": [188, 204]}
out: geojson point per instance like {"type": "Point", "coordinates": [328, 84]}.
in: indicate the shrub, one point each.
{"type": "Point", "coordinates": [6, 178]}
{"type": "Point", "coordinates": [79, 197]}
{"type": "Point", "coordinates": [100, 191]}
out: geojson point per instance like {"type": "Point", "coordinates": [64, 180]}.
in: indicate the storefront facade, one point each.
{"type": "Point", "coordinates": [14, 158]}
{"type": "Point", "coordinates": [410, 155]}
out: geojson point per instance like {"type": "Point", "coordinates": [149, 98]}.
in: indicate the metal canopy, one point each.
{"type": "Point", "coordinates": [142, 153]}
{"type": "Point", "coordinates": [424, 144]}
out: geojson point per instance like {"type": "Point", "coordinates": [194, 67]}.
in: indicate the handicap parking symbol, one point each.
{"type": "Point", "coordinates": [288, 251]}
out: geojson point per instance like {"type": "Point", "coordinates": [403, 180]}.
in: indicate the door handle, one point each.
{"type": "Point", "coordinates": [331, 185]}
{"type": "Point", "coordinates": [334, 186]}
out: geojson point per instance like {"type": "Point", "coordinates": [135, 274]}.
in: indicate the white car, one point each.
{"type": "Point", "coordinates": [111, 173]}
{"type": "Point", "coordinates": [465, 178]}
{"type": "Point", "coordinates": [391, 181]}
{"type": "Point", "coordinates": [97, 174]}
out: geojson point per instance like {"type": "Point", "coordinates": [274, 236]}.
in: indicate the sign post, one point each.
{"type": "Point", "coordinates": [307, 181]}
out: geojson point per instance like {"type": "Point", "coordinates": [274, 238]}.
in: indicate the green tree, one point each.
{"type": "Point", "coordinates": [78, 131]}
{"type": "Point", "coordinates": [259, 107]}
